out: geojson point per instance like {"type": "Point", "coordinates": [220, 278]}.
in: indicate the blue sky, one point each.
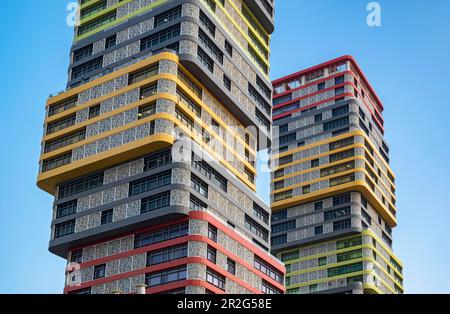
{"type": "Point", "coordinates": [406, 60]}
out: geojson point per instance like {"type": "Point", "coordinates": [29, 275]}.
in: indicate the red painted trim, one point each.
{"type": "Point", "coordinates": [124, 235]}
{"type": "Point", "coordinates": [232, 234]}
{"type": "Point", "coordinates": [327, 64]}
{"type": "Point", "coordinates": [312, 84]}
{"type": "Point", "coordinates": [380, 124]}
{"type": "Point", "coordinates": [156, 268]}
{"type": "Point", "coordinates": [184, 283]}
{"type": "Point", "coordinates": [178, 241]}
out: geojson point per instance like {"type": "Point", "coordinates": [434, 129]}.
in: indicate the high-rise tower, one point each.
{"type": "Point", "coordinates": [333, 192]}
{"type": "Point", "coordinates": [149, 79]}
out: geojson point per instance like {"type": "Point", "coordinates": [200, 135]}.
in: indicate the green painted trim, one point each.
{"type": "Point", "coordinates": [104, 12]}
{"type": "Point", "coordinates": [122, 19]}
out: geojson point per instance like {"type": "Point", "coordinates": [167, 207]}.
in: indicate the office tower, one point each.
{"type": "Point", "coordinates": [333, 192]}
{"type": "Point", "coordinates": [147, 79]}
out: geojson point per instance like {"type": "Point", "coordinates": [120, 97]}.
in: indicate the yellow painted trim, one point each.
{"type": "Point", "coordinates": [358, 185]}
{"type": "Point", "coordinates": [330, 140]}
{"type": "Point", "coordinates": [48, 180]}
{"type": "Point", "coordinates": [358, 157]}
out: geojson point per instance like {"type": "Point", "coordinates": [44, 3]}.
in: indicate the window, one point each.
{"type": "Point", "coordinates": [313, 288]}
{"type": "Point", "coordinates": [337, 213]}
{"type": "Point", "coordinates": [336, 124]}
{"type": "Point", "coordinates": [227, 82]}
{"type": "Point", "coordinates": [342, 180]}
{"type": "Point", "coordinates": [228, 48]}
{"type": "Point", "coordinates": [322, 261]}
{"type": "Point", "coordinates": [143, 74]}
{"type": "Point", "coordinates": [94, 111]}
{"type": "Point", "coordinates": [150, 183]}
{"type": "Point", "coordinates": [111, 41]}
{"type": "Point", "coordinates": [282, 196]}
{"type": "Point", "coordinates": [210, 46]}
{"type": "Point", "coordinates": [189, 84]}
{"type": "Point", "coordinates": [63, 105]}
{"type": "Point", "coordinates": [160, 235]}
{"type": "Point", "coordinates": [81, 291]}
{"type": "Point", "coordinates": [80, 185]}
{"type": "Point", "coordinates": [99, 271]}
{"type": "Point", "coordinates": [205, 59]}
{"type": "Point", "coordinates": [83, 53]}
{"type": "Point", "coordinates": [318, 230]}
{"type": "Point", "coordinates": [339, 80]}
{"type": "Point", "coordinates": [56, 162]}
{"type": "Point", "coordinates": [65, 141]}
{"type": "Point", "coordinates": [306, 189]}
{"type": "Point", "coordinates": [107, 216]}
{"type": "Point", "coordinates": [321, 86]}
{"type": "Point", "coordinates": [215, 279]}
{"type": "Point", "coordinates": [341, 143]}
{"type": "Point", "coordinates": [196, 204]}
{"type": "Point", "coordinates": [87, 68]}
{"type": "Point", "coordinates": [343, 244]}
{"type": "Point", "coordinates": [339, 91]}
{"type": "Point", "coordinates": [155, 202]}
{"type": "Point", "coordinates": [148, 91]}
{"type": "Point", "coordinates": [167, 16]}
{"type": "Point", "coordinates": [61, 124]}
{"type": "Point", "coordinates": [342, 155]}
{"type": "Point", "coordinates": [285, 139]}
{"type": "Point", "coordinates": [88, 27]}
{"type": "Point", "coordinates": [337, 169]}
{"type": "Point", "coordinates": [318, 118]}
{"type": "Point", "coordinates": [212, 232]}
{"type": "Point", "coordinates": [279, 239]}
{"type": "Point", "coordinates": [286, 226]}
{"type": "Point", "coordinates": [167, 254]}
{"type": "Point", "coordinates": [76, 256]}
{"type": "Point", "coordinates": [166, 276]}
{"type": "Point", "coordinates": [267, 288]}
{"type": "Point", "coordinates": [64, 228]}
{"type": "Point", "coordinates": [260, 213]}
{"type": "Point", "coordinates": [256, 228]}
{"type": "Point", "coordinates": [160, 37]}
{"type": "Point", "coordinates": [209, 26]}
{"type": "Point", "coordinates": [279, 215]}
{"type": "Point", "coordinates": [342, 225]}
{"type": "Point", "coordinates": [260, 101]}
{"type": "Point", "coordinates": [66, 209]}
{"type": "Point", "coordinates": [318, 205]}
{"type": "Point", "coordinates": [347, 256]}
{"type": "Point", "coordinates": [211, 254]}
{"type": "Point", "coordinates": [231, 266]}
{"type": "Point", "coordinates": [341, 199]}
{"type": "Point", "coordinates": [315, 163]}
{"type": "Point", "coordinates": [269, 270]}
{"type": "Point", "coordinates": [157, 160]}
{"type": "Point", "coordinates": [342, 270]}
{"type": "Point", "coordinates": [290, 256]}
{"type": "Point", "coordinates": [199, 186]}
{"type": "Point", "coordinates": [340, 111]}
{"type": "Point", "coordinates": [263, 87]}
{"type": "Point", "coordinates": [285, 160]}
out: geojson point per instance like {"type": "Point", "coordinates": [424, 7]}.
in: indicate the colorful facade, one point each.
{"type": "Point", "coordinates": [333, 192]}
{"type": "Point", "coordinates": [150, 151]}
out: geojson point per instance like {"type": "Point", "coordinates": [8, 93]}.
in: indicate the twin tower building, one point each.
{"type": "Point", "coordinates": [150, 154]}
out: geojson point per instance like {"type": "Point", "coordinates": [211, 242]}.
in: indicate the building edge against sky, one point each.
{"type": "Point", "coordinates": [333, 192]}
{"type": "Point", "coordinates": [148, 80]}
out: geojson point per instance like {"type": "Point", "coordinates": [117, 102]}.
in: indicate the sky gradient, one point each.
{"type": "Point", "coordinates": [406, 61]}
